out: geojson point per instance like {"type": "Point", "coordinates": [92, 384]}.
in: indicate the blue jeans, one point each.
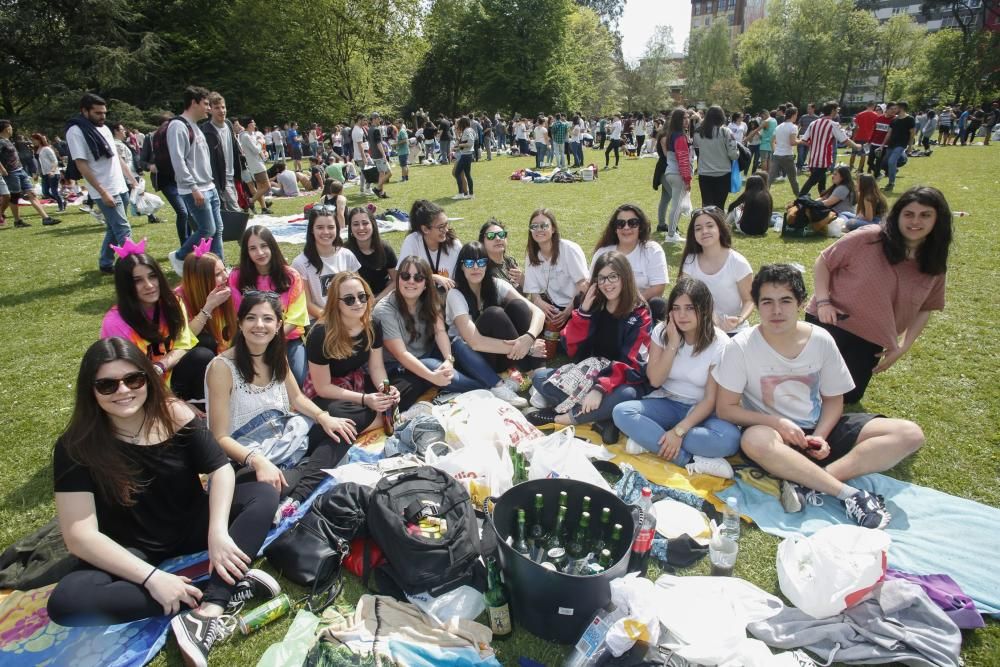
{"type": "Point", "coordinates": [539, 154]}
{"type": "Point", "coordinates": [895, 153]}
{"type": "Point", "coordinates": [474, 365]}
{"type": "Point", "coordinates": [50, 188]}
{"type": "Point", "coordinates": [208, 220]}
{"type": "Point", "coordinates": [647, 420]}
{"type": "Point", "coordinates": [117, 228]}
{"type": "Point", "coordinates": [445, 151]}
{"type": "Point", "coordinates": [803, 151]}
{"type": "Point", "coordinates": [295, 350]}
{"type": "Point", "coordinates": [577, 149]}
{"type": "Point", "coordinates": [555, 396]}
{"type": "Point", "coordinates": [560, 155]}
{"type": "Point", "coordinates": [459, 382]}
{"type": "Point", "coordinates": [180, 209]}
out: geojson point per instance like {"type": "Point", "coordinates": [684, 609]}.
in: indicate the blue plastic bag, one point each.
{"type": "Point", "coordinates": [735, 178]}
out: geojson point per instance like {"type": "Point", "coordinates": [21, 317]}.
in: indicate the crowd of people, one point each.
{"type": "Point", "coordinates": [188, 380]}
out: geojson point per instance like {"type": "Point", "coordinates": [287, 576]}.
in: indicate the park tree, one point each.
{"type": "Point", "coordinates": [977, 49]}
{"type": "Point", "coordinates": [445, 79]}
{"type": "Point", "coordinates": [710, 59]}
{"type": "Point", "coordinates": [645, 82]}
{"type": "Point", "coordinates": [897, 42]}
{"type": "Point", "coordinates": [586, 83]}
{"type": "Point", "coordinates": [857, 34]}
{"type": "Point", "coordinates": [610, 11]}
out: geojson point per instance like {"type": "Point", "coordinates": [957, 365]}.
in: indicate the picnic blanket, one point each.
{"type": "Point", "coordinates": [292, 228]}
{"type": "Point", "coordinates": [29, 638]}
{"type": "Point", "coordinates": [932, 532]}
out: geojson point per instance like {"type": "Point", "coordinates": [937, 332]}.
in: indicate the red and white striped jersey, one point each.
{"type": "Point", "coordinates": [821, 134]}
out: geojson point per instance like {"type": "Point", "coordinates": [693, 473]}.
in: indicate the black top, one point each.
{"type": "Point", "coordinates": [899, 131]}
{"type": "Point", "coordinates": [445, 127]}
{"type": "Point", "coordinates": [375, 143]}
{"type": "Point", "coordinates": [376, 276]}
{"type": "Point", "coordinates": [605, 342]}
{"type": "Point", "coordinates": [171, 499]}
{"type": "Point", "coordinates": [8, 155]}
{"type": "Point", "coordinates": [341, 367]}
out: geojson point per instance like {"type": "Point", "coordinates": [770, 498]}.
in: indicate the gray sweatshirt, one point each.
{"type": "Point", "coordinates": [191, 161]}
{"type": "Point", "coordinates": [716, 155]}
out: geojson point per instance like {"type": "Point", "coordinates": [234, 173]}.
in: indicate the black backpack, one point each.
{"type": "Point", "coordinates": [744, 158]}
{"type": "Point", "coordinates": [418, 564]}
{"type": "Point", "coordinates": [161, 154]}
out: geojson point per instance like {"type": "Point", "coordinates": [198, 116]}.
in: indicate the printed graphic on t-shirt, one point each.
{"type": "Point", "coordinates": [795, 394]}
{"type": "Point", "coordinates": [324, 282]}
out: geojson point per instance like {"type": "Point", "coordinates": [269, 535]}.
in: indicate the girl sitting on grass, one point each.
{"type": "Point", "coordinates": [323, 256]}
{"type": "Point", "coordinates": [871, 207]}
{"type": "Point", "coordinates": [376, 257]}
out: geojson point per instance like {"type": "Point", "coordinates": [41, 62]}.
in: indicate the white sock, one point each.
{"type": "Point", "coordinates": [846, 491]}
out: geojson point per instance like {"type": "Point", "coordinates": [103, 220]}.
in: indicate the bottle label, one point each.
{"type": "Point", "coordinates": [500, 620]}
{"type": "Point", "coordinates": [644, 540]}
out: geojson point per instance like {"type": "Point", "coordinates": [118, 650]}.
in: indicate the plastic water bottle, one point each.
{"type": "Point", "coordinates": [731, 519]}
{"type": "Point", "coordinates": [960, 214]}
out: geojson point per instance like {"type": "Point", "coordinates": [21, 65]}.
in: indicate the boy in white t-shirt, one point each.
{"type": "Point", "coordinates": [784, 381]}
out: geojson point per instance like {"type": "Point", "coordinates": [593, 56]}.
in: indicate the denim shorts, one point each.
{"type": "Point", "coordinates": [382, 166]}
{"type": "Point", "coordinates": [18, 182]}
{"type": "Point", "coordinates": [4, 190]}
{"type": "Point", "coordinates": [403, 160]}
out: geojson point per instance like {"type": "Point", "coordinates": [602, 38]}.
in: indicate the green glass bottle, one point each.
{"type": "Point", "coordinates": [555, 539]}
{"type": "Point", "coordinates": [604, 559]}
{"type": "Point", "coordinates": [496, 602]}
{"type": "Point", "coordinates": [520, 538]}
{"type": "Point", "coordinates": [602, 534]}
{"type": "Point", "coordinates": [536, 534]}
{"type": "Point", "coordinates": [577, 547]}
{"type": "Point", "coordinates": [615, 544]}
{"type": "Point", "coordinates": [585, 507]}
{"type": "Point", "coordinates": [563, 499]}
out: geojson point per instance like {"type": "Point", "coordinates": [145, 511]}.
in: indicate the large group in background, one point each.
{"type": "Point", "coordinates": [190, 380]}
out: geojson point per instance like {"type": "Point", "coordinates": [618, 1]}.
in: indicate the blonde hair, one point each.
{"type": "Point", "coordinates": [337, 343]}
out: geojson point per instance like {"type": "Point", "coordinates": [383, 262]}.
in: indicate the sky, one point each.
{"type": "Point", "coordinates": [642, 16]}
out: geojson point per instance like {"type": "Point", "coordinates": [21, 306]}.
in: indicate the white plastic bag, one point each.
{"type": "Point", "coordinates": [478, 417]}
{"type": "Point", "coordinates": [836, 228]}
{"type": "Point", "coordinates": [147, 203]}
{"type": "Point", "coordinates": [483, 471]}
{"type": "Point", "coordinates": [463, 602]}
{"type": "Point", "coordinates": [558, 455]}
{"type": "Point", "coordinates": [686, 203]}
{"type": "Point", "coordinates": [832, 569]}
{"type": "Point", "coordinates": [636, 596]}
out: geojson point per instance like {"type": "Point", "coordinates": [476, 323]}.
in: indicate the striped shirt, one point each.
{"type": "Point", "coordinates": [821, 134]}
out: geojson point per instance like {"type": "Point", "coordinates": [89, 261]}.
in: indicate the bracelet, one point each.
{"type": "Point", "coordinates": [822, 302]}
{"type": "Point", "coordinates": [160, 368]}
{"type": "Point", "coordinates": [151, 573]}
{"type": "Point", "coordinates": [533, 336]}
{"type": "Point", "coordinates": [363, 399]}
{"type": "Point", "coordinates": [246, 461]}
{"type": "Point", "coordinates": [207, 314]}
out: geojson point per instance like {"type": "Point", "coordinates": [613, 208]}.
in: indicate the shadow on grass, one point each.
{"type": "Point", "coordinates": [39, 485]}
{"type": "Point", "coordinates": [96, 306]}
{"type": "Point", "coordinates": [88, 280]}
{"type": "Point", "coordinates": [76, 230]}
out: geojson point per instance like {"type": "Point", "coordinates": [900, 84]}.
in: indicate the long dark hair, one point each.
{"type": "Point", "coordinates": [378, 249]}
{"type": "Point", "coordinates": [868, 192]}
{"type": "Point", "coordinates": [847, 180]}
{"type": "Point", "coordinates": [533, 247]}
{"type": "Point", "coordinates": [932, 255]}
{"type": "Point", "coordinates": [422, 214]}
{"type": "Point", "coordinates": [277, 269]}
{"type": "Point", "coordinates": [89, 435]}
{"type": "Point", "coordinates": [629, 298]}
{"type": "Point", "coordinates": [274, 355]}
{"type": "Point", "coordinates": [691, 245]}
{"type": "Point", "coordinates": [310, 251]}
{"type": "Point", "coordinates": [715, 118]}
{"type": "Point", "coordinates": [610, 235]}
{"type": "Point", "coordinates": [131, 310]}
{"type": "Point", "coordinates": [429, 308]}
{"type": "Point", "coordinates": [487, 289]}
{"type": "Point", "coordinates": [701, 298]}
{"type": "Point", "coordinates": [675, 125]}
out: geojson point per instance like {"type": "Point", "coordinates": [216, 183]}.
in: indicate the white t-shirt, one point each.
{"type": "Point", "coordinates": [107, 171]}
{"type": "Point", "coordinates": [455, 303]}
{"type": "Point", "coordinates": [649, 263]}
{"type": "Point", "coordinates": [739, 130]}
{"type": "Point", "coordinates": [783, 387]}
{"type": "Point", "coordinates": [540, 134]}
{"type": "Point", "coordinates": [278, 138]}
{"type": "Point", "coordinates": [441, 262]}
{"type": "Point", "coordinates": [289, 184]}
{"type": "Point", "coordinates": [318, 281]}
{"type": "Point", "coordinates": [359, 138]}
{"type": "Point", "coordinates": [251, 151]}
{"type": "Point", "coordinates": [689, 373]}
{"type": "Point", "coordinates": [616, 130]}
{"type": "Point", "coordinates": [723, 284]}
{"type": "Point", "coordinates": [783, 138]}
{"type": "Point", "coordinates": [558, 280]}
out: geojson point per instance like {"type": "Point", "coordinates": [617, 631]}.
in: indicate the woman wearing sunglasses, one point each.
{"type": "Point", "coordinates": [613, 323]}
{"type": "Point", "coordinates": [415, 340]}
{"type": "Point", "coordinates": [556, 271]}
{"type": "Point", "coordinates": [628, 232]}
{"type": "Point", "coordinates": [709, 257]}
{"type": "Point", "coordinates": [345, 357]}
{"type": "Point", "coordinates": [677, 420]}
{"type": "Point", "coordinates": [492, 327]}
{"type": "Point", "coordinates": [493, 236]}
{"type": "Point", "coordinates": [251, 398]}
{"type": "Point", "coordinates": [432, 239]}
{"type": "Point", "coordinates": [205, 291]}
{"type": "Point", "coordinates": [128, 496]}
{"type": "Point", "coordinates": [149, 315]}
{"type": "Point", "coordinates": [263, 268]}
{"type": "Point", "coordinates": [376, 257]}
{"type": "Point", "coordinates": [323, 257]}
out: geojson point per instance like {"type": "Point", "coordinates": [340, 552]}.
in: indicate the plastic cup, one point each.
{"type": "Point", "coordinates": [722, 553]}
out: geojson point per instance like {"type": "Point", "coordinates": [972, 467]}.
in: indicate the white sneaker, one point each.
{"type": "Point", "coordinates": [537, 400]}
{"type": "Point", "coordinates": [716, 467]}
{"type": "Point", "coordinates": [673, 238]}
{"type": "Point", "coordinates": [176, 264]}
{"type": "Point", "coordinates": [634, 448]}
{"type": "Point", "coordinates": [458, 196]}
{"type": "Point", "coordinates": [504, 393]}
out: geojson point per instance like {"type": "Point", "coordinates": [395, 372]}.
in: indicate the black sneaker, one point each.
{"type": "Point", "coordinates": [794, 497]}
{"type": "Point", "coordinates": [609, 432]}
{"type": "Point", "coordinates": [107, 270]}
{"type": "Point", "coordinates": [195, 635]}
{"type": "Point", "coordinates": [255, 585]}
{"type": "Point", "coordinates": [48, 222]}
{"type": "Point", "coordinates": [662, 227]}
{"type": "Point", "coordinates": [21, 224]}
{"type": "Point", "coordinates": [541, 417]}
{"type": "Point", "coordinates": [867, 510]}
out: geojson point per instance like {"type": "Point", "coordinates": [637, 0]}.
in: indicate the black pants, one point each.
{"type": "Point", "coordinates": [859, 355]}
{"type": "Point", "coordinates": [612, 146]}
{"type": "Point", "coordinates": [362, 416]}
{"type": "Point", "coordinates": [89, 596]}
{"type": "Point", "coordinates": [463, 165]}
{"type": "Point", "coordinates": [817, 176]}
{"type": "Point", "coordinates": [714, 190]}
{"type": "Point", "coordinates": [507, 323]}
{"type": "Point", "coordinates": [187, 378]}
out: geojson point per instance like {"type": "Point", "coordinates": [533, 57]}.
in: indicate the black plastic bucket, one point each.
{"type": "Point", "coordinates": [553, 605]}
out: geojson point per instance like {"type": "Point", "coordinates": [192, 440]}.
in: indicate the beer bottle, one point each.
{"type": "Point", "coordinates": [389, 416]}
{"type": "Point", "coordinates": [496, 602]}
{"type": "Point", "coordinates": [585, 507]}
{"type": "Point", "coordinates": [555, 539]}
{"type": "Point", "coordinates": [616, 544]}
{"type": "Point", "coordinates": [537, 533]}
{"type": "Point", "coordinates": [520, 540]}
{"type": "Point", "coordinates": [604, 559]}
{"type": "Point", "coordinates": [563, 499]}
{"type": "Point", "coordinates": [602, 533]}
{"type": "Point", "coordinates": [577, 549]}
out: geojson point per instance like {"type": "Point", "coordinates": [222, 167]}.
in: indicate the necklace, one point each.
{"type": "Point", "coordinates": [134, 437]}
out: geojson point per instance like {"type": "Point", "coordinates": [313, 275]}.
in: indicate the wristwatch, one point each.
{"type": "Point", "coordinates": [679, 431]}
{"type": "Point", "coordinates": [450, 359]}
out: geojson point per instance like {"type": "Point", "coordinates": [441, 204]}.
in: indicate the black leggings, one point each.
{"type": "Point", "coordinates": [507, 323]}
{"type": "Point", "coordinates": [714, 190]}
{"type": "Point", "coordinates": [187, 378]}
{"type": "Point", "coordinates": [817, 176]}
{"type": "Point", "coordinates": [612, 146]}
{"type": "Point", "coordinates": [463, 165]}
{"type": "Point", "coordinates": [88, 596]}
{"type": "Point", "coordinates": [859, 355]}
{"type": "Point", "coordinates": [362, 416]}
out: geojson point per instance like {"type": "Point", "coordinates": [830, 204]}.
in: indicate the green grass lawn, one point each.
{"type": "Point", "coordinates": [53, 297]}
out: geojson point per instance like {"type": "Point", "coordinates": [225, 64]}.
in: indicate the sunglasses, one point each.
{"type": "Point", "coordinates": [535, 226]}
{"type": "Point", "coordinates": [631, 223]}
{"type": "Point", "coordinates": [470, 263]}
{"type": "Point", "coordinates": [351, 299]}
{"type": "Point", "coordinates": [502, 234]}
{"type": "Point", "coordinates": [439, 228]}
{"type": "Point", "coordinates": [704, 209]}
{"type": "Point", "coordinates": [261, 293]}
{"type": "Point", "coordinates": [610, 278]}
{"type": "Point", "coordinates": [325, 209]}
{"type": "Point", "coordinates": [108, 386]}
{"type": "Point", "coordinates": [415, 277]}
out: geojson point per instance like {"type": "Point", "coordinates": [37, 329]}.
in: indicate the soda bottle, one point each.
{"type": "Point", "coordinates": [644, 540]}
{"type": "Point", "coordinates": [731, 519]}
{"type": "Point", "coordinates": [555, 539]}
{"type": "Point", "coordinates": [521, 541]}
{"type": "Point", "coordinates": [601, 541]}
{"type": "Point", "coordinates": [496, 602]}
{"type": "Point", "coordinates": [390, 415]}
{"type": "Point", "coordinates": [537, 534]}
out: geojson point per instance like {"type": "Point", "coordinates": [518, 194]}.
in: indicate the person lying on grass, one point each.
{"type": "Point", "coordinates": [784, 381]}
